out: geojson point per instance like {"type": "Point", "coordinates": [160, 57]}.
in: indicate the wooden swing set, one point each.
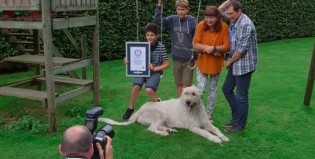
{"type": "Point", "coordinates": [40, 18]}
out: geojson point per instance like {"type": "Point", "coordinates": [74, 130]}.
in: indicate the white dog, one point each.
{"type": "Point", "coordinates": [185, 112]}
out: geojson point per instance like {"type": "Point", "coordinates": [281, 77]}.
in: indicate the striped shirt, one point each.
{"type": "Point", "coordinates": [244, 41]}
{"type": "Point", "coordinates": [158, 54]}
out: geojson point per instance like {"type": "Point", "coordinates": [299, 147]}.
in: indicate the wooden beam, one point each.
{"type": "Point", "coordinates": [310, 81]}
{"type": "Point", "coordinates": [39, 59]}
{"type": "Point", "coordinates": [83, 54]}
{"type": "Point", "coordinates": [70, 37]}
{"type": "Point", "coordinates": [73, 66]}
{"type": "Point", "coordinates": [23, 93]}
{"type": "Point", "coordinates": [20, 81]}
{"type": "Point", "coordinates": [72, 8]}
{"type": "Point", "coordinates": [21, 25]}
{"type": "Point", "coordinates": [67, 81]}
{"type": "Point", "coordinates": [36, 46]}
{"type": "Point", "coordinates": [48, 47]}
{"type": "Point", "coordinates": [10, 8]}
{"type": "Point", "coordinates": [96, 57]}
{"type": "Point", "coordinates": [73, 93]}
{"type": "Point", "coordinates": [71, 22]}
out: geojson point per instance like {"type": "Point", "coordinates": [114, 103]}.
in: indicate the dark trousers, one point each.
{"type": "Point", "coordinates": [238, 100]}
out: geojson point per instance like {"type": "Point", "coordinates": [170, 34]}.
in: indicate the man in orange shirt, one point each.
{"type": "Point", "coordinates": [212, 42]}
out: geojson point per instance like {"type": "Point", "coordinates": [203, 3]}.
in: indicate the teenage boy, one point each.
{"type": "Point", "coordinates": [159, 62]}
{"type": "Point", "coordinates": [182, 29]}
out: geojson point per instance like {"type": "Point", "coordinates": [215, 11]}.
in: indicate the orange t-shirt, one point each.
{"type": "Point", "coordinates": [208, 63]}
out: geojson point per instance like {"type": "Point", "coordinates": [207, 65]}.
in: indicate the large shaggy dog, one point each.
{"type": "Point", "coordinates": [185, 112]}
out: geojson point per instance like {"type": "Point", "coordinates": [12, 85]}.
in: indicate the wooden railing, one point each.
{"type": "Point", "coordinates": [56, 5]}
{"type": "Point", "coordinates": [71, 5]}
{"type": "Point", "coordinates": [76, 2]}
{"type": "Point", "coordinates": [19, 5]}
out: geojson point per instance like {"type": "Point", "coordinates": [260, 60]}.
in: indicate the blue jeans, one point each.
{"type": "Point", "coordinates": [238, 100]}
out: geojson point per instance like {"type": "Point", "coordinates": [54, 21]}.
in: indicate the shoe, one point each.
{"type": "Point", "coordinates": [229, 124]}
{"type": "Point", "coordinates": [234, 129]}
{"type": "Point", "coordinates": [128, 114]}
{"type": "Point", "coordinates": [158, 99]}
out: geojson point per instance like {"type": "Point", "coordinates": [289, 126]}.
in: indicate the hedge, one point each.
{"type": "Point", "coordinates": [274, 20]}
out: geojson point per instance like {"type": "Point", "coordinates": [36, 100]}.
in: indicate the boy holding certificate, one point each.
{"type": "Point", "coordinates": [159, 62]}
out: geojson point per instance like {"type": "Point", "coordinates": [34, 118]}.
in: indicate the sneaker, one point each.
{"type": "Point", "coordinates": [161, 76]}
{"type": "Point", "coordinates": [158, 99]}
{"type": "Point", "coordinates": [128, 114]}
{"type": "Point", "coordinates": [229, 124]}
{"type": "Point", "coordinates": [234, 129]}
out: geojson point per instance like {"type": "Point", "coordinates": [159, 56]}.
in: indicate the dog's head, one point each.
{"type": "Point", "coordinates": [191, 96]}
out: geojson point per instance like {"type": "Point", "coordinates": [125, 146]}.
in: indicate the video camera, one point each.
{"type": "Point", "coordinates": [91, 123]}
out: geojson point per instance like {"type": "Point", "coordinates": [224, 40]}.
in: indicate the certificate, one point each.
{"type": "Point", "coordinates": [138, 55]}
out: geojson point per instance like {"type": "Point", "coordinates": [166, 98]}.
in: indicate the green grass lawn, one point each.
{"type": "Point", "coordinates": [279, 125]}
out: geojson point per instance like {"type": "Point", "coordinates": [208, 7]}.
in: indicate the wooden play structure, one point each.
{"type": "Point", "coordinates": [310, 81]}
{"type": "Point", "coordinates": [36, 20]}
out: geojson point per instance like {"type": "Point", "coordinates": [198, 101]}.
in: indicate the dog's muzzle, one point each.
{"type": "Point", "coordinates": [189, 105]}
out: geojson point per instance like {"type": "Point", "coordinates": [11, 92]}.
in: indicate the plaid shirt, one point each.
{"type": "Point", "coordinates": [244, 41]}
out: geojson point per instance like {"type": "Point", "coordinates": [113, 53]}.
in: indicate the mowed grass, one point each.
{"type": "Point", "coordinates": [279, 125]}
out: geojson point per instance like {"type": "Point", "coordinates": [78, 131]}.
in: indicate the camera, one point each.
{"type": "Point", "coordinates": [99, 136]}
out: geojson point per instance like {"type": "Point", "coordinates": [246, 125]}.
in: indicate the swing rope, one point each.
{"type": "Point", "coordinates": [138, 19]}
{"type": "Point", "coordinates": [193, 49]}
{"type": "Point", "coordinates": [162, 7]}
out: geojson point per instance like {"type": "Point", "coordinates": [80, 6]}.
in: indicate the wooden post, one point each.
{"type": "Point", "coordinates": [310, 81]}
{"type": "Point", "coordinates": [36, 46]}
{"type": "Point", "coordinates": [50, 84]}
{"type": "Point", "coordinates": [96, 58]}
{"type": "Point", "coordinates": [83, 54]}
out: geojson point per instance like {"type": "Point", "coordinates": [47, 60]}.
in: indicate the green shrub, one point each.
{"type": "Point", "coordinates": [75, 112]}
{"type": "Point", "coordinates": [274, 20]}
{"type": "Point", "coordinates": [28, 124]}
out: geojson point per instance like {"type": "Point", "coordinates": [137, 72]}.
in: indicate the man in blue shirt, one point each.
{"type": "Point", "coordinates": [241, 64]}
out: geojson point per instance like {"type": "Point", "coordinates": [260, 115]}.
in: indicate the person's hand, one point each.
{"type": "Point", "coordinates": [109, 148]}
{"type": "Point", "coordinates": [100, 150]}
{"type": "Point", "coordinates": [228, 64]}
{"type": "Point", "coordinates": [126, 60]}
{"type": "Point", "coordinates": [208, 49]}
{"type": "Point", "coordinates": [217, 54]}
{"type": "Point", "coordinates": [108, 152]}
{"type": "Point", "coordinates": [151, 67]}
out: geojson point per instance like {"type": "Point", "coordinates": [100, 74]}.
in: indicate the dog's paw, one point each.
{"type": "Point", "coordinates": [172, 130]}
{"type": "Point", "coordinates": [216, 140]}
{"type": "Point", "coordinates": [224, 138]}
{"type": "Point", "coordinates": [163, 133]}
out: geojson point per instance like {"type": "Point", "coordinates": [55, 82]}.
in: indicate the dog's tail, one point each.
{"type": "Point", "coordinates": [132, 120]}
{"type": "Point", "coordinates": [112, 122]}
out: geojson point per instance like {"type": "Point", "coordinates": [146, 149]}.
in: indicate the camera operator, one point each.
{"type": "Point", "coordinates": [77, 142]}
